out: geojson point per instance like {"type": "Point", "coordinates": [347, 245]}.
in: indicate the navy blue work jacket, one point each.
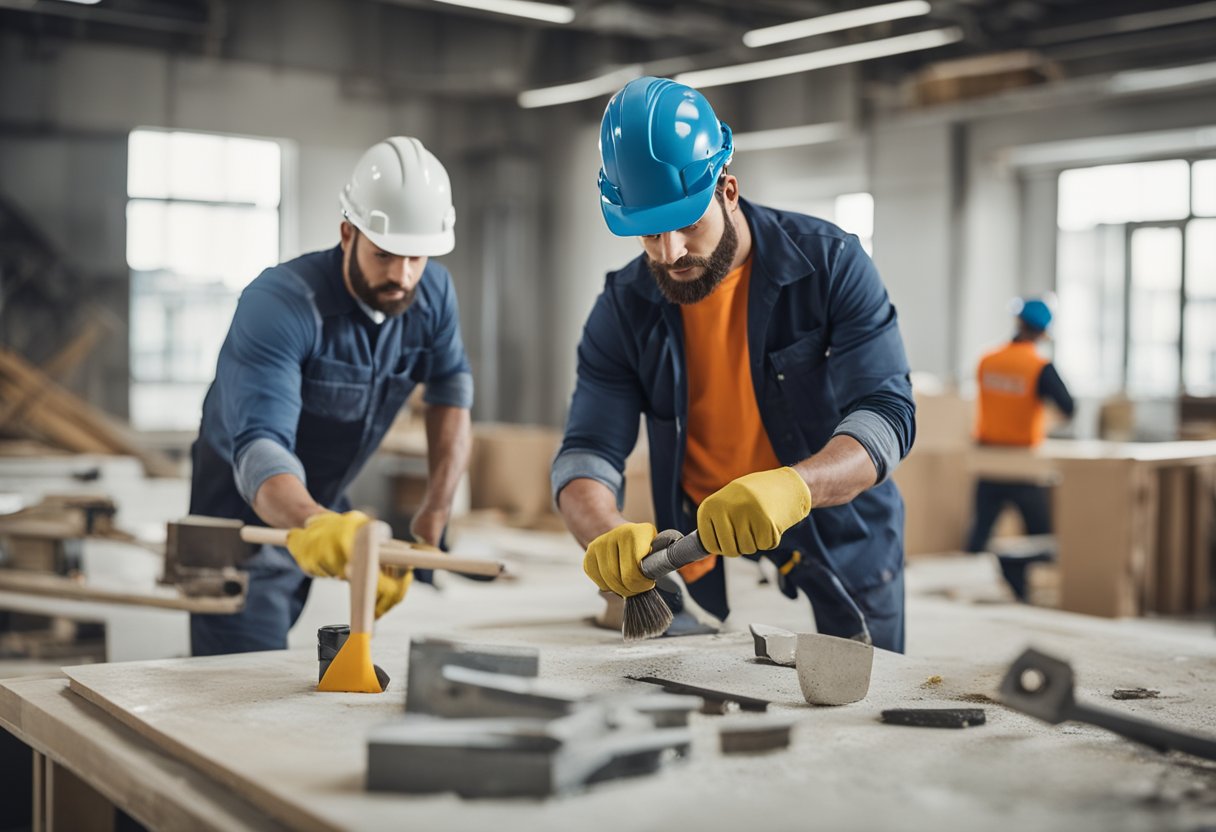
{"type": "Point", "coordinates": [824, 341]}
{"type": "Point", "coordinates": [306, 368]}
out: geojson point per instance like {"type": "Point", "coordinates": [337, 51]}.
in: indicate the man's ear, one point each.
{"type": "Point", "coordinates": [347, 233]}
{"type": "Point", "coordinates": [730, 191]}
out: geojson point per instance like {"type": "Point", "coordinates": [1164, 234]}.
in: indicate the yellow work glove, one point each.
{"type": "Point", "coordinates": [750, 514]}
{"type": "Point", "coordinates": [323, 546]}
{"type": "Point", "coordinates": [390, 590]}
{"type": "Point", "coordinates": [613, 558]}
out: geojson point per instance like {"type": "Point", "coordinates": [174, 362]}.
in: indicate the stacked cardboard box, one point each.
{"type": "Point", "coordinates": [934, 479]}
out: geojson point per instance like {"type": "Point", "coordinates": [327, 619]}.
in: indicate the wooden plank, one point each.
{"type": "Point", "coordinates": [55, 586]}
{"type": "Point", "coordinates": [53, 425]}
{"type": "Point", "coordinates": [60, 365]}
{"type": "Point", "coordinates": [1099, 515]}
{"type": "Point", "coordinates": [1203, 538]}
{"type": "Point", "coordinates": [75, 806]}
{"type": "Point", "coordinates": [257, 717]}
{"type": "Point", "coordinates": [211, 708]}
{"type": "Point", "coordinates": [69, 356]}
{"type": "Point", "coordinates": [1170, 564]}
{"type": "Point", "coordinates": [116, 437]}
{"type": "Point", "coordinates": [46, 525]}
{"type": "Point", "coordinates": [38, 824]}
{"type": "Point", "coordinates": [1145, 534]}
{"type": "Point", "coordinates": [1142, 554]}
{"type": "Point", "coordinates": [155, 789]}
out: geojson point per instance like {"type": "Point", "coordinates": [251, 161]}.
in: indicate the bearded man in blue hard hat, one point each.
{"type": "Point", "coordinates": [322, 353]}
{"type": "Point", "coordinates": [1016, 381]}
{"type": "Point", "coordinates": [765, 355]}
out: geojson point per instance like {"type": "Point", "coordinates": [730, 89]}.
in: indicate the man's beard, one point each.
{"type": "Point", "coordinates": [716, 267]}
{"type": "Point", "coordinates": [375, 297]}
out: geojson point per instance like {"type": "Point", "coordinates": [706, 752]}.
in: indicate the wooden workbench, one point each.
{"type": "Point", "coordinates": [244, 742]}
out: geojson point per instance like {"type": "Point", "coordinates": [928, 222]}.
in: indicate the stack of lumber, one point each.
{"type": "Point", "coordinates": [34, 406]}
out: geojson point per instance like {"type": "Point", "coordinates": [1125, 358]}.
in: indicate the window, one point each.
{"type": "Point", "coordinates": [855, 214]}
{"type": "Point", "coordinates": [1136, 278]}
{"type": "Point", "coordinates": [202, 221]}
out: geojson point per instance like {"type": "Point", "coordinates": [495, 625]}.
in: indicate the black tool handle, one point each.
{"type": "Point", "coordinates": [1149, 733]}
{"type": "Point", "coordinates": [686, 550]}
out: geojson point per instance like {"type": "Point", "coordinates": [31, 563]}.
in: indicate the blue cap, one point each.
{"type": "Point", "coordinates": [662, 149]}
{"type": "Point", "coordinates": [1035, 314]}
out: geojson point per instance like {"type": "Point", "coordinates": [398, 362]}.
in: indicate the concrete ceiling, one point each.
{"type": "Point", "coordinates": [423, 46]}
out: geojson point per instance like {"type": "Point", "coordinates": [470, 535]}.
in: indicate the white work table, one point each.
{"type": "Point", "coordinates": [244, 741]}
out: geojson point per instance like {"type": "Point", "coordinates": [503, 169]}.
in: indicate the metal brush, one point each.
{"type": "Point", "coordinates": [647, 614]}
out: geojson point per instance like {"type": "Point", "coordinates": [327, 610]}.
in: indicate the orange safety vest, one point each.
{"type": "Point", "coordinates": [1010, 411]}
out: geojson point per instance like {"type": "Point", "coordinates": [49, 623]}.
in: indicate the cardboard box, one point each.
{"type": "Point", "coordinates": [943, 420]}
{"type": "Point", "coordinates": [509, 468]}
{"type": "Point", "coordinates": [938, 492]}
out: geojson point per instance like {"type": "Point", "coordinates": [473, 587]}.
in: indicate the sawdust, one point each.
{"type": "Point", "coordinates": [976, 697]}
{"type": "Point", "coordinates": [931, 682]}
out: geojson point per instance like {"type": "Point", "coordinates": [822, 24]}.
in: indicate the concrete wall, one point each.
{"type": "Point", "coordinates": [1010, 220]}
{"type": "Point", "coordinates": [580, 249]}
{"type": "Point", "coordinates": [65, 114]}
{"type": "Point", "coordinates": [955, 232]}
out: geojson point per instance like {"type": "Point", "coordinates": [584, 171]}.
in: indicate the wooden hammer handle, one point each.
{"type": "Point", "coordinates": [392, 553]}
{"type": "Point", "coordinates": [363, 572]}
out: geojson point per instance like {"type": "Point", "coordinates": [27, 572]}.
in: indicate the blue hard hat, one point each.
{"type": "Point", "coordinates": [662, 149]}
{"type": "Point", "coordinates": [1035, 314]}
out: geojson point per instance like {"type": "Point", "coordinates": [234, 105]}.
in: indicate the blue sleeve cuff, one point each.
{"type": "Point", "coordinates": [263, 459]}
{"type": "Point", "coordinates": [876, 435]}
{"type": "Point", "coordinates": [454, 391]}
{"type": "Point", "coordinates": [573, 465]}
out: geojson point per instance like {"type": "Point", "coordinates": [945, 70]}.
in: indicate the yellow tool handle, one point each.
{"type": "Point", "coordinates": [392, 553]}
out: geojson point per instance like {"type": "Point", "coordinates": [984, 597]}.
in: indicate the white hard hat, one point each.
{"type": "Point", "coordinates": [401, 198]}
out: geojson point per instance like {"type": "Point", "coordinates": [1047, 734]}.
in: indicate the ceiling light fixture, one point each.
{"type": "Point", "coordinates": [837, 56]}
{"type": "Point", "coordinates": [1143, 80]}
{"type": "Point", "coordinates": [548, 12]}
{"type": "Point", "coordinates": [836, 22]}
{"type": "Point", "coordinates": [605, 84]}
{"type": "Point", "coordinates": [800, 136]}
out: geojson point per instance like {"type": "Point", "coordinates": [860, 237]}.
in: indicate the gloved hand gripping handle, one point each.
{"type": "Point", "coordinates": [686, 550]}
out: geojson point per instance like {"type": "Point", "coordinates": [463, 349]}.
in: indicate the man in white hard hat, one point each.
{"type": "Point", "coordinates": [322, 352]}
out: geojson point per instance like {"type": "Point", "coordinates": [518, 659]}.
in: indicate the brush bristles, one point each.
{"type": "Point", "coordinates": [646, 616]}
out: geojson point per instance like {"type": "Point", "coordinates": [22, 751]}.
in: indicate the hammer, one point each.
{"type": "Point", "coordinates": [1041, 686]}
{"type": "Point", "coordinates": [217, 542]}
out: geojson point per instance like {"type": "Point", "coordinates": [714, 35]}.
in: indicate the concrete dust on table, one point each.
{"type": "Point", "coordinates": [254, 723]}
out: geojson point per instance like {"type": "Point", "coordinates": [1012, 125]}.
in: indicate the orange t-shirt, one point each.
{"type": "Point", "coordinates": [726, 438]}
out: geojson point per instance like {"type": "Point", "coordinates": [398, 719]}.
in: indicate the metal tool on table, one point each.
{"type": "Point", "coordinates": [351, 669]}
{"type": "Point", "coordinates": [330, 640]}
{"type": "Point", "coordinates": [1041, 686]}
{"type": "Point", "coordinates": [480, 722]}
{"type": "Point", "coordinates": [716, 701]}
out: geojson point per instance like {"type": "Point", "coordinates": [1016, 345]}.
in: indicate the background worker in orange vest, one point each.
{"type": "Point", "coordinates": [1015, 381]}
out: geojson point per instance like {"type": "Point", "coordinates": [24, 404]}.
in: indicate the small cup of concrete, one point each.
{"type": "Point", "coordinates": [831, 670]}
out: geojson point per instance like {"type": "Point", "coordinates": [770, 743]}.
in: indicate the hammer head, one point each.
{"type": "Point", "coordinates": [1040, 686]}
{"type": "Point", "coordinates": [197, 542]}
